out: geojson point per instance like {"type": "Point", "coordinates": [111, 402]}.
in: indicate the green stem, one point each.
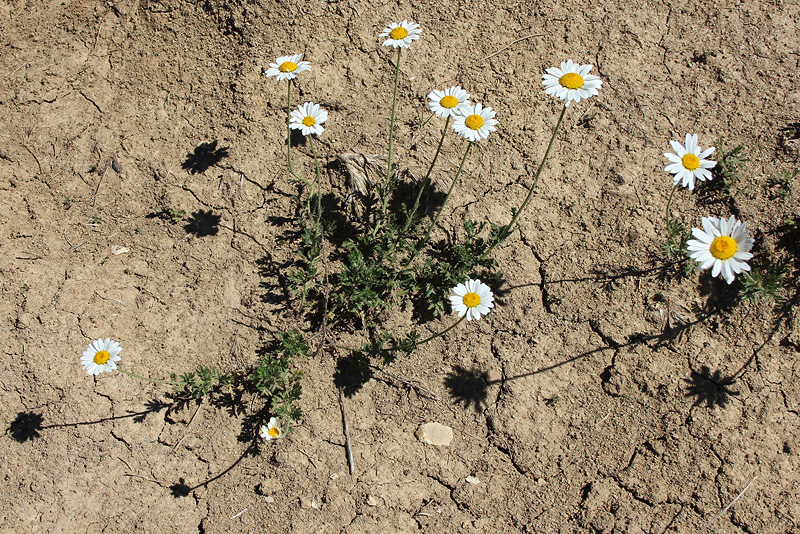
{"type": "Point", "coordinates": [533, 187]}
{"type": "Point", "coordinates": [134, 375]}
{"type": "Point", "coordinates": [319, 179]}
{"type": "Point", "coordinates": [426, 340]}
{"type": "Point", "coordinates": [412, 213]}
{"type": "Point", "coordinates": [424, 241]}
{"type": "Point", "coordinates": [443, 332]}
{"type": "Point", "coordinates": [391, 132]}
{"type": "Point", "coordinates": [288, 129]}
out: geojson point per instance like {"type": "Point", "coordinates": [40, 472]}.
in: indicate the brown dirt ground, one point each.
{"type": "Point", "coordinates": [601, 418]}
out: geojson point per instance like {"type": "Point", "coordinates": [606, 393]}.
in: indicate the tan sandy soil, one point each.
{"type": "Point", "coordinates": [605, 392]}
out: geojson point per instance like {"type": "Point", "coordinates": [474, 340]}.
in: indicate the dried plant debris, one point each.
{"type": "Point", "coordinates": [362, 171]}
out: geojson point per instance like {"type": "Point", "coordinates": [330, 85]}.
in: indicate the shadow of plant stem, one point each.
{"type": "Point", "coordinates": [28, 426]}
{"type": "Point", "coordinates": [181, 489]}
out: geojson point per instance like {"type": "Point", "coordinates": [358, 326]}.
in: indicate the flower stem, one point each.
{"type": "Point", "coordinates": [412, 213]}
{"type": "Point", "coordinates": [424, 241]}
{"type": "Point", "coordinates": [319, 179]}
{"type": "Point", "coordinates": [288, 129]}
{"type": "Point", "coordinates": [134, 375]}
{"type": "Point", "coordinates": [391, 133]}
{"type": "Point", "coordinates": [443, 332]}
{"type": "Point", "coordinates": [533, 187]}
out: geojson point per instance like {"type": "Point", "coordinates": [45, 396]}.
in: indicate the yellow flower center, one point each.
{"type": "Point", "coordinates": [274, 432]}
{"type": "Point", "coordinates": [471, 299]}
{"type": "Point", "coordinates": [690, 162]}
{"type": "Point", "coordinates": [474, 122]}
{"type": "Point", "coordinates": [287, 66]}
{"type": "Point", "coordinates": [309, 121]}
{"type": "Point", "coordinates": [101, 357]}
{"type": "Point", "coordinates": [723, 247]}
{"type": "Point", "coordinates": [571, 80]}
{"type": "Point", "coordinates": [398, 33]}
{"type": "Point", "coordinates": [449, 102]}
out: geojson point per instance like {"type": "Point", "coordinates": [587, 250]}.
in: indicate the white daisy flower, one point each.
{"type": "Point", "coordinates": [722, 245]}
{"type": "Point", "coordinates": [401, 35]}
{"type": "Point", "coordinates": [474, 122]}
{"type": "Point", "coordinates": [688, 163]}
{"type": "Point", "coordinates": [449, 102]}
{"type": "Point", "coordinates": [288, 67]}
{"type": "Point", "coordinates": [101, 356]}
{"type": "Point", "coordinates": [473, 298]}
{"type": "Point", "coordinates": [571, 82]}
{"type": "Point", "coordinates": [271, 430]}
{"type": "Point", "coordinates": [308, 118]}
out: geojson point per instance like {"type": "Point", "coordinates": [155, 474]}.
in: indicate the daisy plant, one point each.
{"type": "Point", "coordinates": [474, 123]}
{"type": "Point", "coordinates": [308, 118]}
{"type": "Point", "coordinates": [398, 35]}
{"type": "Point", "coordinates": [274, 378]}
{"type": "Point", "coordinates": [687, 164]}
{"type": "Point", "coordinates": [570, 82]}
{"type": "Point", "coordinates": [446, 104]}
{"type": "Point", "coordinates": [287, 68]}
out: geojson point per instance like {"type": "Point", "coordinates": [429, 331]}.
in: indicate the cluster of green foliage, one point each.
{"type": "Point", "coordinates": [168, 214]}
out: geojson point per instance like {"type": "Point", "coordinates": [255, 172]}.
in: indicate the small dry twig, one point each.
{"type": "Point", "coordinates": [508, 46]}
{"type": "Point", "coordinates": [109, 298]}
{"type": "Point", "coordinates": [186, 430]}
{"type": "Point", "coordinates": [424, 392]}
{"type": "Point", "coordinates": [350, 461]}
{"type": "Point", "coordinates": [729, 505]}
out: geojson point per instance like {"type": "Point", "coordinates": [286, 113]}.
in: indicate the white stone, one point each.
{"type": "Point", "coordinates": [435, 434]}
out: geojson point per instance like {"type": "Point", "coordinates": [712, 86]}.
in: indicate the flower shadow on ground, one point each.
{"type": "Point", "coordinates": [204, 156]}
{"type": "Point", "coordinates": [468, 387]}
{"type": "Point", "coordinates": [352, 372]}
{"type": "Point", "coordinates": [710, 388]}
{"type": "Point", "coordinates": [203, 223]}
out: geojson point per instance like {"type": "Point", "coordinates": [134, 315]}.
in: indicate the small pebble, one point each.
{"type": "Point", "coordinates": [435, 434]}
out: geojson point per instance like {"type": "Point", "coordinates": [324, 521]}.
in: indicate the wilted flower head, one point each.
{"type": "Point", "coordinates": [473, 298]}
{"type": "Point", "coordinates": [688, 162]}
{"type": "Point", "coordinates": [571, 82]}
{"type": "Point", "coordinates": [401, 35]}
{"type": "Point", "coordinates": [101, 356]}
{"type": "Point", "coordinates": [722, 245]}
{"type": "Point", "coordinates": [288, 67]}
{"type": "Point", "coordinates": [308, 118]}
{"type": "Point", "coordinates": [475, 122]}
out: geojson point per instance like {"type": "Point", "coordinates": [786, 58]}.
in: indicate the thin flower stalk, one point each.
{"type": "Point", "coordinates": [533, 187]}
{"type": "Point", "coordinates": [412, 213]}
{"type": "Point", "coordinates": [389, 178]}
{"type": "Point", "coordinates": [443, 332]}
{"type": "Point", "coordinates": [424, 241]}
{"type": "Point", "coordinates": [669, 201]}
{"type": "Point", "coordinates": [319, 178]}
